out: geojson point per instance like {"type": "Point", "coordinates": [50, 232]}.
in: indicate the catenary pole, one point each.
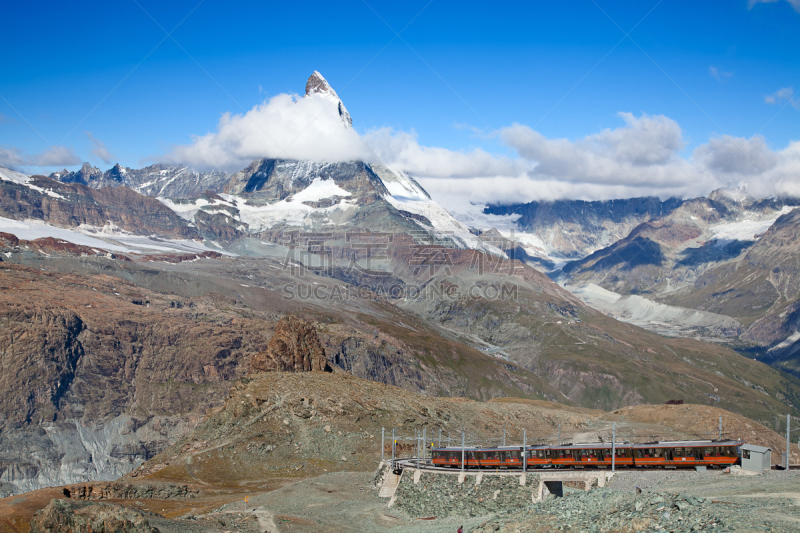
{"type": "Point", "coordinates": [720, 428]}
{"type": "Point", "coordinates": [424, 443]}
{"type": "Point", "coordinates": [614, 446]}
{"type": "Point", "coordinates": [559, 436]}
{"type": "Point", "coordinates": [463, 453]}
{"type": "Point", "coordinates": [440, 437]}
{"type": "Point", "coordinates": [504, 435]}
{"type": "Point", "coordinates": [788, 420]}
{"type": "Point", "coordinates": [524, 450]}
{"type": "Point", "coordinates": [383, 431]}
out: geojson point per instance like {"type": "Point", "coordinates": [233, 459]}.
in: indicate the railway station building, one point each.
{"type": "Point", "coordinates": [756, 458]}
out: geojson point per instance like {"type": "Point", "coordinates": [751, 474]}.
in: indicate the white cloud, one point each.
{"type": "Point", "coordinates": [282, 127]}
{"type": "Point", "coordinates": [728, 155]}
{"type": "Point", "coordinates": [718, 74]}
{"type": "Point", "coordinates": [784, 93]}
{"type": "Point", "coordinates": [794, 3]}
{"type": "Point", "coordinates": [13, 157]}
{"type": "Point", "coordinates": [643, 152]}
{"type": "Point", "coordinates": [100, 151]}
{"type": "Point", "coordinates": [402, 150]}
{"type": "Point", "coordinates": [640, 158]}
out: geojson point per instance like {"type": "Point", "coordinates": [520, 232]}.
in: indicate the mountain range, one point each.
{"type": "Point", "coordinates": [133, 299]}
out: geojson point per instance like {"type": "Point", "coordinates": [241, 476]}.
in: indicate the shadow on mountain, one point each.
{"type": "Point", "coordinates": [518, 252]}
{"type": "Point", "coordinates": [713, 251]}
{"type": "Point", "coordinates": [641, 251]}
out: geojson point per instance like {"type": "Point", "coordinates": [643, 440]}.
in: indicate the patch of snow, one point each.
{"type": "Point", "coordinates": [10, 175]}
{"type": "Point", "coordinates": [791, 339]}
{"type": "Point", "coordinates": [747, 230]}
{"type": "Point", "coordinates": [48, 192]}
{"type": "Point", "coordinates": [261, 217]}
{"type": "Point", "coordinates": [22, 179]}
{"type": "Point", "coordinates": [185, 210]}
{"type": "Point", "coordinates": [406, 195]}
{"type": "Point", "coordinates": [34, 229]}
{"type": "Point", "coordinates": [596, 293]}
{"type": "Point", "coordinates": [664, 319]}
{"type": "Point", "coordinates": [473, 216]}
{"type": "Point", "coordinates": [104, 239]}
{"type": "Point", "coordinates": [188, 209]}
{"type": "Point", "coordinates": [319, 190]}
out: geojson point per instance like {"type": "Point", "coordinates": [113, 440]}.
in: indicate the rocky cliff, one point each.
{"type": "Point", "coordinates": [294, 347]}
{"type": "Point", "coordinates": [73, 205]}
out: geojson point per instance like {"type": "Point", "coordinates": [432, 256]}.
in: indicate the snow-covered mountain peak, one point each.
{"type": "Point", "coordinates": [317, 84]}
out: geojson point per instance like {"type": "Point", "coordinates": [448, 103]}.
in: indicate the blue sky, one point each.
{"type": "Point", "coordinates": [457, 75]}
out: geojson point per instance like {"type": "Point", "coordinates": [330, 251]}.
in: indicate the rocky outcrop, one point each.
{"type": "Point", "coordinates": [64, 516]}
{"type": "Point", "coordinates": [294, 347]}
{"type": "Point", "coordinates": [128, 491]}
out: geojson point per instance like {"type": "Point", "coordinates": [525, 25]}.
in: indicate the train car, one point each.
{"type": "Point", "coordinates": [538, 456]}
{"type": "Point", "coordinates": [449, 457]}
{"type": "Point", "coordinates": [676, 454]}
{"type": "Point", "coordinates": [499, 457]}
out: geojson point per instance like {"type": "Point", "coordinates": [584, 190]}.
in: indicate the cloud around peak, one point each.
{"type": "Point", "coordinates": [644, 155]}
{"type": "Point", "coordinates": [285, 126]}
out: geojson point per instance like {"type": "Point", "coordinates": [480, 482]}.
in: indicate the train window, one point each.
{"type": "Point", "coordinates": [729, 451]}
{"type": "Point", "coordinates": [745, 454]}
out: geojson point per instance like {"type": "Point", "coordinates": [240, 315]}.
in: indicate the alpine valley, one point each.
{"type": "Point", "coordinates": [133, 300]}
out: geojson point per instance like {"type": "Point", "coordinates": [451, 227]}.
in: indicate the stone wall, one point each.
{"type": "Point", "coordinates": [442, 495]}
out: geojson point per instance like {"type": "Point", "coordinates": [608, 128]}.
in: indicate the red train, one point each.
{"type": "Point", "coordinates": [662, 454]}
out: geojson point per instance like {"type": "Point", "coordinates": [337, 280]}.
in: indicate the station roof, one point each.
{"type": "Point", "coordinates": [754, 448]}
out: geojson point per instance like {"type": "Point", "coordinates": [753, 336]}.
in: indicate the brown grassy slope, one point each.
{"type": "Point", "coordinates": [286, 425]}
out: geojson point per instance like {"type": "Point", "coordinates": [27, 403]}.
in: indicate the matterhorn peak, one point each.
{"type": "Point", "coordinates": [317, 84]}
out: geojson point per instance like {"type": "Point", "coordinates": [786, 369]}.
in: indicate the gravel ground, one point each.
{"type": "Point", "coordinates": [341, 502]}
{"type": "Point", "coordinates": [679, 501]}
{"type": "Point", "coordinates": [674, 501]}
